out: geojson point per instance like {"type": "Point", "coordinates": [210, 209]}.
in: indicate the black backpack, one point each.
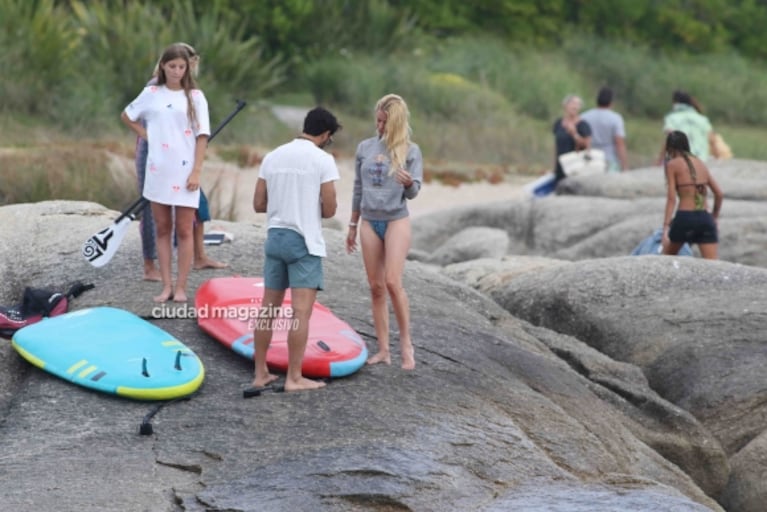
{"type": "Point", "coordinates": [36, 304]}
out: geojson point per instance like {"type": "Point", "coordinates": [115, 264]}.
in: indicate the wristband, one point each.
{"type": "Point", "coordinates": [352, 224]}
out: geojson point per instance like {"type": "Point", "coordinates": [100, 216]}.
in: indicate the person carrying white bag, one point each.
{"type": "Point", "coordinates": [572, 143]}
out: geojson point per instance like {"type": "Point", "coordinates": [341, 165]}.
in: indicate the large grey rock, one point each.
{"type": "Point", "coordinates": [575, 228]}
{"type": "Point", "coordinates": [492, 417]}
{"type": "Point", "coordinates": [488, 274]}
{"type": "Point", "coordinates": [739, 179]}
{"type": "Point", "coordinates": [747, 487]}
{"type": "Point", "coordinates": [695, 327]}
{"type": "Point", "coordinates": [470, 244]}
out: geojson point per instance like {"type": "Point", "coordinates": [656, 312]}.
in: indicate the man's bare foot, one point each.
{"type": "Point", "coordinates": [265, 381]}
{"type": "Point", "coordinates": [209, 263]}
{"type": "Point", "coordinates": [380, 357]}
{"type": "Point", "coordinates": [165, 296]}
{"type": "Point", "coordinates": [408, 359]}
{"type": "Point", "coordinates": [303, 384]}
{"type": "Point", "coordinates": [180, 296]}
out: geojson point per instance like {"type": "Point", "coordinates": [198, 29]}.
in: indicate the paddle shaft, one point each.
{"type": "Point", "coordinates": [139, 203]}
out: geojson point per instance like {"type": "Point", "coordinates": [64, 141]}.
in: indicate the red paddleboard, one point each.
{"type": "Point", "coordinates": [228, 309]}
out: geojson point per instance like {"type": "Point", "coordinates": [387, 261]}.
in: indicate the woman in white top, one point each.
{"type": "Point", "coordinates": [177, 128]}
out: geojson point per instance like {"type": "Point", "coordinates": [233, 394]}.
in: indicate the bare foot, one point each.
{"type": "Point", "coordinates": [165, 296]}
{"type": "Point", "coordinates": [380, 357]}
{"type": "Point", "coordinates": [303, 384]}
{"type": "Point", "coordinates": [152, 275]}
{"type": "Point", "coordinates": [180, 296]}
{"type": "Point", "coordinates": [209, 263]}
{"type": "Point", "coordinates": [408, 359]}
{"type": "Point", "coordinates": [268, 379]}
{"type": "Point", "coordinates": [150, 271]}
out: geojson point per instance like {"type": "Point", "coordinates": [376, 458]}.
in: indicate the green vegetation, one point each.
{"type": "Point", "coordinates": [484, 80]}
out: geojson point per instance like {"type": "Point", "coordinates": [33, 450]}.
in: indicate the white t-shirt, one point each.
{"type": "Point", "coordinates": [171, 141]}
{"type": "Point", "coordinates": [294, 173]}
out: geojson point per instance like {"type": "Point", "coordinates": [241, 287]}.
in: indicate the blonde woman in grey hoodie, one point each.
{"type": "Point", "coordinates": [388, 173]}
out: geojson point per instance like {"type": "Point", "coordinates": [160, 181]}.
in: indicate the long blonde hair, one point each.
{"type": "Point", "coordinates": [396, 134]}
{"type": "Point", "coordinates": [186, 52]}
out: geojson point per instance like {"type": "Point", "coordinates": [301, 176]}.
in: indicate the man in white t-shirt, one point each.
{"type": "Point", "coordinates": [607, 131]}
{"type": "Point", "coordinates": [296, 190]}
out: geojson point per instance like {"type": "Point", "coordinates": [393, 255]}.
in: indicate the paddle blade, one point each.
{"type": "Point", "coordinates": [100, 248]}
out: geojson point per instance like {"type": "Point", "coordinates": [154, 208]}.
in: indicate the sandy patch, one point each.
{"type": "Point", "coordinates": [231, 192]}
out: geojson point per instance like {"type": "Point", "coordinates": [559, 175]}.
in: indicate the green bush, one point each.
{"type": "Point", "coordinates": [38, 41]}
{"type": "Point", "coordinates": [353, 83]}
{"type": "Point", "coordinates": [451, 97]}
{"type": "Point", "coordinates": [534, 81]}
{"type": "Point", "coordinates": [727, 85]}
{"type": "Point", "coordinates": [78, 66]}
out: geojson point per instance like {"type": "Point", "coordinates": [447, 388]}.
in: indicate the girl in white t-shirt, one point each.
{"type": "Point", "coordinates": [177, 128]}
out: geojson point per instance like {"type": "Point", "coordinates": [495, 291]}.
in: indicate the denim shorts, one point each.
{"type": "Point", "coordinates": [287, 262]}
{"type": "Point", "coordinates": [203, 210]}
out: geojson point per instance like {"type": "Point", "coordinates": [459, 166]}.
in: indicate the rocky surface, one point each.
{"type": "Point", "coordinates": [574, 228]}
{"type": "Point", "coordinates": [500, 414]}
{"type": "Point", "coordinates": [693, 328]}
{"type": "Point", "coordinates": [740, 180]}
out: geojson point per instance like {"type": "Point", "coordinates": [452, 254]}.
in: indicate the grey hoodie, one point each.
{"type": "Point", "coordinates": [377, 195]}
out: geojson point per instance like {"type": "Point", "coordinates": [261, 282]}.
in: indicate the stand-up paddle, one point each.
{"type": "Point", "coordinates": [100, 247]}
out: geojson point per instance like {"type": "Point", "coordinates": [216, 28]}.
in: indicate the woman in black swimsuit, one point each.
{"type": "Point", "coordinates": [688, 178]}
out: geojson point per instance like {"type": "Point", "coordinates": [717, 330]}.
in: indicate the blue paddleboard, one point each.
{"type": "Point", "coordinates": [113, 351]}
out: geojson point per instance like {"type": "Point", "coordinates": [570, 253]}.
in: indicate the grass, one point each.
{"type": "Point", "coordinates": [480, 110]}
{"type": "Point", "coordinates": [64, 172]}
{"type": "Point", "coordinates": [41, 163]}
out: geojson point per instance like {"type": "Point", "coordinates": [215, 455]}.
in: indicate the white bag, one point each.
{"type": "Point", "coordinates": [583, 163]}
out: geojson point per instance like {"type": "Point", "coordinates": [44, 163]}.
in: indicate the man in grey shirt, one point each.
{"type": "Point", "coordinates": [607, 131]}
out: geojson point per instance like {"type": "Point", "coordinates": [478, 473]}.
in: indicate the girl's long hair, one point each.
{"type": "Point", "coordinates": [396, 134]}
{"type": "Point", "coordinates": [677, 141]}
{"type": "Point", "coordinates": [181, 51]}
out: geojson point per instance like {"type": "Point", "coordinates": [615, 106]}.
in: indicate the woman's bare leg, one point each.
{"type": "Point", "coordinates": [397, 246]}
{"type": "Point", "coordinates": [150, 271]}
{"type": "Point", "coordinates": [672, 248]}
{"type": "Point", "coordinates": [201, 258]}
{"type": "Point", "coordinates": [163, 215]}
{"type": "Point", "coordinates": [185, 235]}
{"type": "Point", "coordinates": [709, 251]}
{"type": "Point", "coordinates": [373, 257]}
